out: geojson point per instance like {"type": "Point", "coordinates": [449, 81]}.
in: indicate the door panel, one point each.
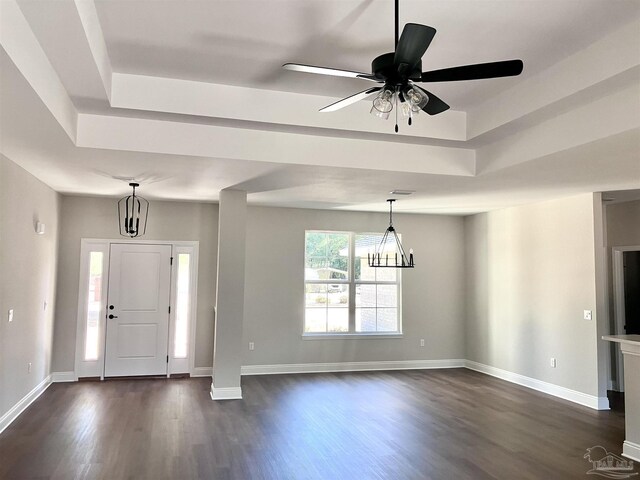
{"type": "Point", "coordinates": [139, 291]}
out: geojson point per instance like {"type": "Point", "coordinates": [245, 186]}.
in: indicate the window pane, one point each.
{"type": "Point", "coordinates": [386, 274]}
{"type": "Point", "coordinates": [387, 320]}
{"type": "Point", "coordinates": [366, 245]}
{"type": "Point", "coordinates": [182, 307]}
{"type": "Point", "coordinates": [365, 319]}
{"type": "Point", "coordinates": [387, 296]}
{"type": "Point", "coordinates": [94, 306]}
{"type": "Point", "coordinates": [315, 320]}
{"type": "Point", "coordinates": [365, 296]}
{"type": "Point", "coordinates": [338, 295]}
{"type": "Point", "coordinates": [315, 244]}
{"type": "Point", "coordinates": [326, 256]}
{"type": "Point", "coordinates": [315, 295]}
{"type": "Point", "coordinates": [338, 319]}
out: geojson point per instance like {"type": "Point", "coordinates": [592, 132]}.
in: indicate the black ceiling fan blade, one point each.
{"type": "Point", "coordinates": [507, 68]}
{"type": "Point", "coordinates": [435, 105]}
{"type": "Point", "coordinates": [345, 102]}
{"type": "Point", "coordinates": [336, 72]}
{"type": "Point", "coordinates": [414, 41]}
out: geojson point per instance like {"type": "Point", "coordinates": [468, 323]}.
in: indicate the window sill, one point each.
{"type": "Point", "coordinates": [349, 336]}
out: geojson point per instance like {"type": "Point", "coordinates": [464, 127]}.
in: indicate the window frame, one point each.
{"type": "Point", "coordinates": [352, 283]}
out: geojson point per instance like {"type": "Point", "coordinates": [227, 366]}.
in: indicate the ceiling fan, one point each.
{"type": "Point", "coordinates": [398, 72]}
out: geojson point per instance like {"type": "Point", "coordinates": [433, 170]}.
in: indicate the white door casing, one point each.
{"type": "Point", "coordinates": [139, 290]}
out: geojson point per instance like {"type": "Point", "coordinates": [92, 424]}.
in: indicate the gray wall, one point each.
{"type": "Point", "coordinates": [530, 274]}
{"type": "Point", "coordinates": [86, 217]}
{"type": "Point", "coordinates": [623, 224]}
{"type": "Point", "coordinates": [432, 293]}
{"type": "Point", "coordinates": [27, 280]}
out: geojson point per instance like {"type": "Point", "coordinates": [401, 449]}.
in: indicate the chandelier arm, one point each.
{"type": "Point", "coordinates": [126, 217]}
{"type": "Point", "coordinates": [399, 245]}
{"type": "Point", "coordinates": [146, 216]}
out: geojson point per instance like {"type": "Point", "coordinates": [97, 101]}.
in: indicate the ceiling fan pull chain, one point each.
{"type": "Point", "coordinates": [396, 113]}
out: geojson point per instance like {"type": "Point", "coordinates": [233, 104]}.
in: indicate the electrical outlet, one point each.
{"type": "Point", "coordinates": [29, 367]}
{"type": "Point", "coordinates": [554, 363]}
{"type": "Point", "coordinates": [422, 342]}
{"type": "Point", "coordinates": [251, 345]}
{"type": "Point", "coordinates": [11, 315]}
{"type": "Point", "coordinates": [587, 314]}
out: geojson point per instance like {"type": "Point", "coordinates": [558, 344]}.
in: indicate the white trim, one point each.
{"type": "Point", "coordinates": [61, 377]}
{"type": "Point", "coordinates": [631, 450]}
{"type": "Point", "coordinates": [349, 336]}
{"type": "Point", "coordinates": [591, 401]}
{"type": "Point", "coordinates": [225, 393]}
{"type": "Point", "coordinates": [15, 411]}
{"type": "Point", "coordinates": [202, 371]}
{"type": "Point", "coordinates": [350, 366]}
{"type": "Point", "coordinates": [617, 259]}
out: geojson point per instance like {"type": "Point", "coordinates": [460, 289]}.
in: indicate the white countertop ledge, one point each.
{"type": "Point", "coordinates": [629, 339]}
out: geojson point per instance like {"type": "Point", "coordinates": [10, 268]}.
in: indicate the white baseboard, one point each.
{"type": "Point", "coordinates": [58, 377]}
{"type": "Point", "coordinates": [21, 406]}
{"type": "Point", "coordinates": [202, 372]}
{"type": "Point", "coordinates": [591, 401]}
{"type": "Point", "coordinates": [631, 450]}
{"type": "Point", "coordinates": [226, 393]}
{"type": "Point", "coordinates": [350, 366]}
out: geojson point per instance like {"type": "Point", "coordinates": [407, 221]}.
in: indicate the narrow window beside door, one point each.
{"type": "Point", "coordinates": [94, 306]}
{"type": "Point", "coordinates": [183, 296]}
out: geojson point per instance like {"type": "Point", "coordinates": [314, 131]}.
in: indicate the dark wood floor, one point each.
{"type": "Point", "coordinates": [433, 424]}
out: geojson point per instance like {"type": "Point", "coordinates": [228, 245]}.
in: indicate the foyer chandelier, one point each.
{"type": "Point", "coordinates": [390, 243]}
{"type": "Point", "coordinates": [133, 211]}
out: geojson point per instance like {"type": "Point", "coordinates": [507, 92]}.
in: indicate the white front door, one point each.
{"type": "Point", "coordinates": [138, 310]}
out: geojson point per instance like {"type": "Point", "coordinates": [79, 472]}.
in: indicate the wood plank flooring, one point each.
{"type": "Point", "coordinates": [431, 424]}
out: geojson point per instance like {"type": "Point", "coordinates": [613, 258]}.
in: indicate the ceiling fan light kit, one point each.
{"type": "Point", "coordinates": [399, 71]}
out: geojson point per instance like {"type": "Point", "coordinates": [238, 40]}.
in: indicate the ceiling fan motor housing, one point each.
{"type": "Point", "coordinates": [384, 68]}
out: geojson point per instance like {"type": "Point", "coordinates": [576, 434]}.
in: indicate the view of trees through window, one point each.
{"type": "Point", "coordinates": [342, 293]}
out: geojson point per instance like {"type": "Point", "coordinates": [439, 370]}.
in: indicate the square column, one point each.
{"type": "Point", "coordinates": [227, 346]}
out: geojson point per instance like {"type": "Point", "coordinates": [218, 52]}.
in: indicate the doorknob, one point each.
{"type": "Point", "coordinates": [111, 307]}
{"type": "Point", "coordinates": [113, 316]}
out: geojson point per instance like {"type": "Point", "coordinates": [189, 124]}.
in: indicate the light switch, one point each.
{"type": "Point", "coordinates": [587, 314]}
{"type": "Point", "coordinates": [11, 315]}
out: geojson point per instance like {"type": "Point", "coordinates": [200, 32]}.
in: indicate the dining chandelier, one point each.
{"type": "Point", "coordinates": [390, 244]}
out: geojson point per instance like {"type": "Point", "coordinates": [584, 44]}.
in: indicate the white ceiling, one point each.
{"type": "Point", "coordinates": [243, 43]}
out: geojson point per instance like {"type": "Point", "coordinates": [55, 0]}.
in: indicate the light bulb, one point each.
{"type": "Point", "coordinates": [406, 110]}
{"type": "Point", "coordinates": [382, 104]}
{"type": "Point", "coordinates": [416, 98]}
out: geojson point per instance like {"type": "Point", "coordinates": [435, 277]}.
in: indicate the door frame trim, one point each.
{"type": "Point", "coordinates": [95, 368]}
{"type": "Point", "coordinates": [617, 257]}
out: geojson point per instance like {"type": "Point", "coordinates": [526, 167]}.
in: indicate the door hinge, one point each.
{"type": "Point", "coordinates": [171, 261]}
{"type": "Point", "coordinates": [167, 358]}
{"type": "Point", "coordinates": [169, 308]}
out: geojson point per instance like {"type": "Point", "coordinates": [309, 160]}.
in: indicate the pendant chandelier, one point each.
{"type": "Point", "coordinates": [390, 243]}
{"type": "Point", "coordinates": [132, 214]}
